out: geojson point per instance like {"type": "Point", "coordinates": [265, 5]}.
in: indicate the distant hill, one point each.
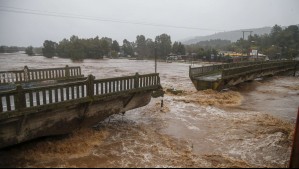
{"type": "Point", "coordinates": [233, 36]}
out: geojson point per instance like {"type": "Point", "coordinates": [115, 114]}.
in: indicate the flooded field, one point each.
{"type": "Point", "coordinates": [250, 125]}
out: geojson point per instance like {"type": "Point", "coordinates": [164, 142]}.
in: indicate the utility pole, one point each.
{"type": "Point", "coordinates": [243, 42]}
{"type": "Point", "coordinates": [155, 57]}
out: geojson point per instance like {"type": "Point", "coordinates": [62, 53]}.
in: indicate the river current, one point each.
{"type": "Point", "coordinates": [250, 125]}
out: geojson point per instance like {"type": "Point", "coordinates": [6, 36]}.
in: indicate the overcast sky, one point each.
{"type": "Point", "coordinates": [30, 22]}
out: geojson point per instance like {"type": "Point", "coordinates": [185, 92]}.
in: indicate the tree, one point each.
{"type": "Point", "coordinates": [2, 49]}
{"type": "Point", "coordinates": [105, 46]}
{"type": "Point", "coordinates": [141, 45]}
{"type": "Point", "coordinates": [115, 46]}
{"type": "Point", "coordinates": [163, 43]}
{"type": "Point", "coordinates": [280, 43]}
{"type": "Point", "coordinates": [150, 48]}
{"type": "Point", "coordinates": [76, 48]}
{"type": "Point", "coordinates": [175, 47]}
{"type": "Point", "coordinates": [63, 48]}
{"type": "Point", "coordinates": [49, 49]}
{"type": "Point", "coordinates": [109, 40]}
{"type": "Point", "coordinates": [275, 34]}
{"type": "Point", "coordinates": [181, 50]}
{"type": "Point", "coordinates": [128, 48]}
{"type": "Point", "coordinates": [29, 51]}
{"type": "Point", "coordinates": [178, 48]}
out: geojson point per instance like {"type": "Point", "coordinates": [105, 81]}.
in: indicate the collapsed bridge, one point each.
{"type": "Point", "coordinates": [44, 102]}
{"type": "Point", "coordinates": [217, 77]}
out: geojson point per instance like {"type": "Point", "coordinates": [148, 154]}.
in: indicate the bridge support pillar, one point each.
{"type": "Point", "coordinates": [294, 162]}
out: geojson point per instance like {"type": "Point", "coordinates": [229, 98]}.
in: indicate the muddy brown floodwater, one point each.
{"type": "Point", "coordinates": [250, 125]}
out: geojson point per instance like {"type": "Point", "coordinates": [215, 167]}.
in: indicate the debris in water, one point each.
{"type": "Point", "coordinates": [211, 97]}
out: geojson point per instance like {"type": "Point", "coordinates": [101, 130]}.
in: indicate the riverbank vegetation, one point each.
{"type": "Point", "coordinates": [280, 43]}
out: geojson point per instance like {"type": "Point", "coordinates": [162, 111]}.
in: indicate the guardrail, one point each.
{"type": "Point", "coordinates": [206, 70]}
{"type": "Point", "coordinates": [259, 67]}
{"type": "Point", "coordinates": [34, 75]}
{"type": "Point", "coordinates": [20, 98]}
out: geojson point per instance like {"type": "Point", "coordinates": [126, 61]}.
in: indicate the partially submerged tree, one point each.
{"type": "Point", "coordinates": [29, 51]}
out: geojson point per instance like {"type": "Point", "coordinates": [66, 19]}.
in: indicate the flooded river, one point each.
{"type": "Point", "coordinates": [250, 125]}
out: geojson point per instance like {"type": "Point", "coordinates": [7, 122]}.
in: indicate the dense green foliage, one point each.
{"type": "Point", "coordinates": [10, 49]}
{"type": "Point", "coordinates": [29, 51]}
{"type": "Point", "coordinates": [128, 48]}
{"type": "Point", "coordinates": [76, 48]}
{"type": "Point", "coordinates": [141, 45]}
{"type": "Point", "coordinates": [163, 45]}
{"type": "Point", "coordinates": [115, 46]}
{"type": "Point", "coordinates": [218, 44]}
{"type": "Point", "coordinates": [178, 48]}
{"type": "Point", "coordinates": [49, 49]}
{"type": "Point", "coordinates": [280, 43]}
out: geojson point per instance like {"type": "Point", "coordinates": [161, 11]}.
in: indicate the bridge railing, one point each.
{"type": "Point", "coordinates": [123, 84]}
{"type": "Point", "coordinates": [33, 75]}
{"type": "Point", "coordinates": [20, 98]}
{"type": "Point", "coordinates": [206, 70]}
{"type": "Point", "coordinates": [262, 66]}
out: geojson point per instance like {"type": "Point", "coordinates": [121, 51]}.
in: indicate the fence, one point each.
{"type": "Point", "coordinates": [20, 98]}
{"type": "Point", "coordinates": [33, 75]}
{"type": "Point", "coordinates": [206, 70]}
{"type": "Point", "coordinates": [258, 67]}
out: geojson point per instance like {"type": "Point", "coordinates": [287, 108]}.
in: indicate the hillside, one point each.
{"type": "Point", "coordinates": [233, 36]}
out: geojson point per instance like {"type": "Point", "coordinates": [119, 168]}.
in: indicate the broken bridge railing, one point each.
{"type": "Point", "coordinates": [232, 67]}
{"type": "Point", "coordinates": [34, 75]}
{"type": "Point", "coordinates": [14, 101]}
{"type": "Point", "coordinates": [258, 67]}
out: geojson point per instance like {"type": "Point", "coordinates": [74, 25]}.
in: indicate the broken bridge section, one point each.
{"type": "Point", "coordinates": [44, 110]}
{"type": "Point", "coordinates": [217, 77]}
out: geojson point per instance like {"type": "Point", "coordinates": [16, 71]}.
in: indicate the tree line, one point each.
{"type": "Point", "coordinates": [94, 48]}
{"type": "Point", "coordinates": [281, 43]}
{"type": "Point", "coordinates": [10, 49]}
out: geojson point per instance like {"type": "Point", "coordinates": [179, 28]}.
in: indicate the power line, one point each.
{"type": "Point", "coordinates": [72, 16]}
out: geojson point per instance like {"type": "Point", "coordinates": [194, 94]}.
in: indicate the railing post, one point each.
{"type": "Point", "coordinates": [90, 86]}
{"type": "Point", "coordinates": [67, 72]}
{"type": "Point", "coordinates": [158, 83]}
{"type": "Point", "coordinates": [26, 74]}
{"type": "Point", "coordinates": [20, 98]}
{"type": "Point", "coordinates": [136, 80]}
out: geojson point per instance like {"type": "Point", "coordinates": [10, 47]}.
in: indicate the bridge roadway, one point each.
{"type": "Point", "coordinates": [220, 76]}
{"type": "Point", "coordinates": [28, 112]}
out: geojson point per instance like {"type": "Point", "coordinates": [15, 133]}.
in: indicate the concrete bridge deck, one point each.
{"type": "Point", "coordinates": [28, 113]}
{"type": "Point", "coordinates": [220, 76]}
